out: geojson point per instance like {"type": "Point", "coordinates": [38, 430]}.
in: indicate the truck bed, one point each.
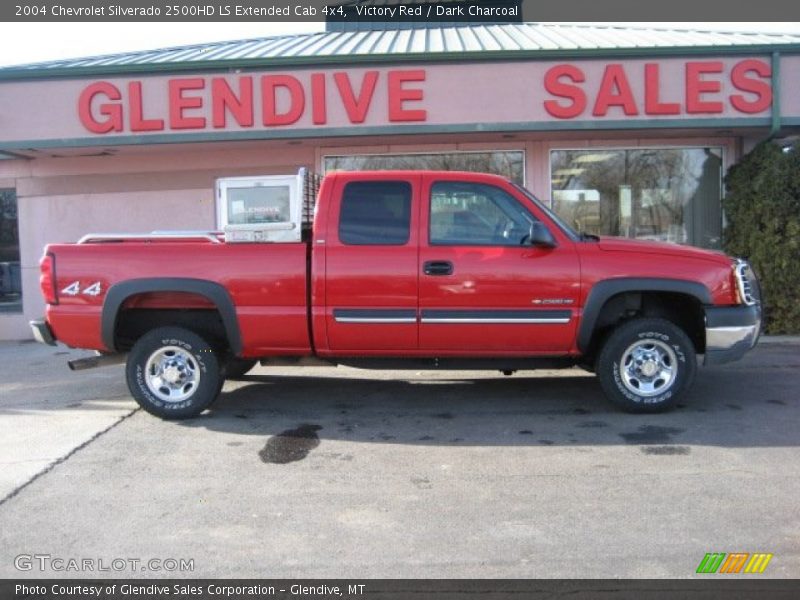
{"type": "Point", "coordinates": [266, 283]}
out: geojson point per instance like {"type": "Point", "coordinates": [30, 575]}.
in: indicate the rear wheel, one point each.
{"type": "Point", "coordinates": [173, 373]}
{"type": "Point", "coordinates": [646, 365]}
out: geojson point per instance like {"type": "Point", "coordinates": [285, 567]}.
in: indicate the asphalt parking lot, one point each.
{"type": "Point", "coordinates": [341, 473]}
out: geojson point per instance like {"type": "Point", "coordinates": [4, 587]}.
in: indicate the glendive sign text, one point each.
{"type": "Point", "coordinates": [103, 107]}
{"type": "Point", "coordinates": [397, 96]}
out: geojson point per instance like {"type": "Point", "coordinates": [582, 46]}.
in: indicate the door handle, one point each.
{"type": "Point", "coordinates": [437, 267]}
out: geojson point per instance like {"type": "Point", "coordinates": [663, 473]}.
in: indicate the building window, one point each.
{"type": "Point", "coordinates": [476, 214]}
{"type": "Point", "coordinates": [10, 279]}
{"type": "Point", "coordinates": [508, 163]}
{"type": "Point", "coordinates": [667, 194]}
{"type": "Point", "coordinates": [375, 213]}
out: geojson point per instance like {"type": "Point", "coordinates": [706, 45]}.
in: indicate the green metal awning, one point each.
{"type": "Point", "coordinates": [475, 42]}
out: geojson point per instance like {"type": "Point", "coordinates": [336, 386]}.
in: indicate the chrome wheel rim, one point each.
{"type": "Point", "coordinates": [172, 374]}
{"type": "Point", "coordinates": [648, 367]}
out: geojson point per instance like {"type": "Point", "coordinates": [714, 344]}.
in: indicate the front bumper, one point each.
{"type": "Point", "coordinates": [731, 332]}
{"type": "Point", "coordinates": [42, 333]}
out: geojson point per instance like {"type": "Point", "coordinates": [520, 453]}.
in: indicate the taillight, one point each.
{"type": "Point", "coordinates": [47, 278]}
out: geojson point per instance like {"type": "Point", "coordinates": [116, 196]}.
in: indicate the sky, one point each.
{"type": "Point", "coordinates": [22, 43]}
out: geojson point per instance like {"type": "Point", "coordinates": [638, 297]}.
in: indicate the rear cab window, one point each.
{"type": "Point", "coordinates": [375, 213]}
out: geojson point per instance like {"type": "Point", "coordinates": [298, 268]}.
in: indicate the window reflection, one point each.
{"type": "Point", "coordinates": [507, 163]}
{"type": "Point", "coordinates": [10, 272]}
{"type": "Point", "coordinates": [476, 214]}
{"type": "Point", "coordinates": [671, 194]}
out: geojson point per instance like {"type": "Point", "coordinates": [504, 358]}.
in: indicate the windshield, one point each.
{"type": "Point", "coordinates": [568, 231]}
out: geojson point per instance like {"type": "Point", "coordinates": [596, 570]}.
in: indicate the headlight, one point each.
{"type": "Point", "coordinates": [746, 283]}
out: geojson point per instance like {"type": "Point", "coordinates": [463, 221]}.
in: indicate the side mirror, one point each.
{"type": "Point", "coordinates": [539, 235]}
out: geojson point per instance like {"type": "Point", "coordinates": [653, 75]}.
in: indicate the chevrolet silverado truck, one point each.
{"type": "Point", "coordinates": [400, 269]}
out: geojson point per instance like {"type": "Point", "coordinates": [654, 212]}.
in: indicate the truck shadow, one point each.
{"type": "Point", "coordinates": [733, 406]}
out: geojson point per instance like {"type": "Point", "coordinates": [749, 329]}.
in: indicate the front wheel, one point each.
{"type": "Point", "coordinates": [173, 373]}
{"type": "Point", "coordinates": [646, 365]}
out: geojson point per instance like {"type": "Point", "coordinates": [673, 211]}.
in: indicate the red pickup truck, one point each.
{"type": "Point", "coordinates": [400, 269]}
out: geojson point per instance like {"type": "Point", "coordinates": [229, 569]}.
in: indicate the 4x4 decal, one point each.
{"type": "Point", "coordinates": [74, 288]}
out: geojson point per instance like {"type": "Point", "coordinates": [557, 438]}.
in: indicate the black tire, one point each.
{"type": "Point", "coordinates": [659, 365]}
{"type": "Point", "coordinates": [194, 378]}
{"type": "Point", "coordinates": [236, 368]}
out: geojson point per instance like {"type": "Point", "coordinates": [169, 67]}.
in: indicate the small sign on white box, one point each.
{"type": "Point", "coordinates": [265, 208]}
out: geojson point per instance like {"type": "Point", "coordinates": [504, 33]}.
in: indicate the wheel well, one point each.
{"type": "Point", "coordinates": [683, 310]}
{"type": "Point", "coordinates": [135, 306]}
{"type": "Point", "coordinates": [133, 323]}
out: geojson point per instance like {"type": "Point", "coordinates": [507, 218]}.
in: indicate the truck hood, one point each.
{"type": "Point", "coordinates": [617, 244]}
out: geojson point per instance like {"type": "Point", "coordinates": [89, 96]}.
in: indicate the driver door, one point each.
{"type": "Point", "coordinates": [483, 289]}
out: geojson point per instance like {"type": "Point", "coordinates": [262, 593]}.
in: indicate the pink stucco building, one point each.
{"type": "Point", "coordinates": [625, 131]}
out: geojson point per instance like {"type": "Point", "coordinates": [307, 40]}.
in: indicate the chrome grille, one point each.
{"type": "Point", "coordinates": [746, 283]}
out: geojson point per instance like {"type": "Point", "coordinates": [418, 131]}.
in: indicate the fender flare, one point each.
{"type": "Point", "coordinates": [214, 292]}
{"type": "Point", "coordinates": [602, 291]}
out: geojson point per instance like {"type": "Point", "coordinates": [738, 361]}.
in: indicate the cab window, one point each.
{"type": "Point", "coordinates": [465, 214]}
{"type": "Point", "coordinates": [375, 213]}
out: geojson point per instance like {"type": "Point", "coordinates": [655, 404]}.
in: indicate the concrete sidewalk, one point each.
{"type": "Point", "coordinates": [47, 411]}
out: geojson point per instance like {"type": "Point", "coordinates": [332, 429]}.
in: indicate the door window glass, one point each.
{"type": "Point", "coordinates": [476, 214]}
